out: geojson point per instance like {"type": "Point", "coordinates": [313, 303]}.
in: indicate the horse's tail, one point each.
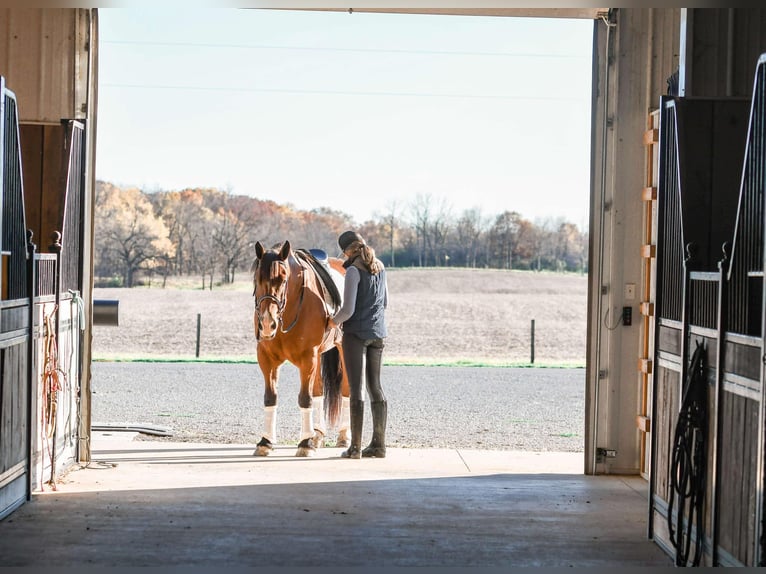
{"type": "Point", "coordinates": [332, 376]}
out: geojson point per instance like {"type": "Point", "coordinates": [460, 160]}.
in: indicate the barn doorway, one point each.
{"type": "Point", "coordinates": [469, 113]}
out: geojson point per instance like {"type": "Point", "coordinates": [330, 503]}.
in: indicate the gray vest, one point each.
{"type": "Point", "coordinates": [368, 320]}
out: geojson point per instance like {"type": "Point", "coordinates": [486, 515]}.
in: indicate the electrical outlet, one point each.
{"type": "Point", "coordinates": [627, 316]}
{"type": "Point", "coordinates": [630, 291]}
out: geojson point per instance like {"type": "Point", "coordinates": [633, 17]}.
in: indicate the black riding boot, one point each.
{"type": "Point", "coordinates": [377, 446]}
{"type": "Point", "coordinates": [356, 407]}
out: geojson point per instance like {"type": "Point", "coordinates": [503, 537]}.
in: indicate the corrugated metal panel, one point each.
{"type": "Point", "coordinates": [42, 52]}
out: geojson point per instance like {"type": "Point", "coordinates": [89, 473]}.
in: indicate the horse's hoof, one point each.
{"type": "Point", "coordinates": [374, 452]}
{"type": "Point", "coordinates": [352, 452]}
{"type": "Point", "coordinates": [263, 448]}
{"type": "Point", "coordinates": [306, 448]}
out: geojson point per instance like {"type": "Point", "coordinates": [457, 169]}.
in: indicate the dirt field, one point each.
{"type": "Point", "coordinates": [435, 316]}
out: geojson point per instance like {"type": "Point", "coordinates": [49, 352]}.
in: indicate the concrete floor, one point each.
{"type": "Point", "coordinates": [148, 503]}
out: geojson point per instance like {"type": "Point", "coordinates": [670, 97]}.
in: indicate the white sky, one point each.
{"type": "Point", "coordinates": [349, 111]}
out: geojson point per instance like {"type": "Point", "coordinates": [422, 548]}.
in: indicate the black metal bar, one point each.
{"type": "Point", "coordinates": [723, 293]}
{"type": "Point", "coordinates": [660, 280]}
{"type": "Point", "coordinates": [31, 380]}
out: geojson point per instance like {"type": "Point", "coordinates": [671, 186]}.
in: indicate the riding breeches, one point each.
{"type": "Point", "coordinates": [363, 357]}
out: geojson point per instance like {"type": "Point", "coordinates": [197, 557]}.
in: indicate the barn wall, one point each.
{"type": "Point", "coordinates": [43, 56]}
{"type": "Point", "coordinates": [642, 54]}
{"type": "Point", "coordinates": [715, 52]}
{"type": "Point", "coordinates": [49, 59]}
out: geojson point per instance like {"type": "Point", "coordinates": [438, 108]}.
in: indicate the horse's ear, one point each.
{"type": "Point", "coordinates": [285, 251]}
{"type": "Point", "coordinates": [259, 250]}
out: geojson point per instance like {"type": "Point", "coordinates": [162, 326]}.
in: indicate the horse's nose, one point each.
{"type": "Point", "coordinates": [267, 327]}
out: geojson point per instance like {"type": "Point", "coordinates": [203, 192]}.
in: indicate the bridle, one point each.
{"type": "Point", "coordinates": [281, 303]}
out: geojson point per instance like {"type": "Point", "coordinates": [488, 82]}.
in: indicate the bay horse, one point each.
{"type": "Point", "coordinates": [291, 324]}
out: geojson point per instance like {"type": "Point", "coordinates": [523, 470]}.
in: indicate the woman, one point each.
{"type": "Point", "coordinates": [362, 318]}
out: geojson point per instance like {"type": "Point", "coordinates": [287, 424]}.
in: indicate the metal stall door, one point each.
{"type": "Point", "coordinates": [15, 304]}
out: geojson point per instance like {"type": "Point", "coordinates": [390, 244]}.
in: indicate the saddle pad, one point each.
{"type": "Point", "coordinates": [329, 278]}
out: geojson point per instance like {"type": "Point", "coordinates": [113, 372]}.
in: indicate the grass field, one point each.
{"type": "Point", "coordinates": [436, 316]}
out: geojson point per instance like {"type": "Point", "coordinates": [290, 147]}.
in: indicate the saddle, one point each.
{"type": "Point", "coordinates": [331, 283]}
{"type": "Point", "coordinates": [330, 280]}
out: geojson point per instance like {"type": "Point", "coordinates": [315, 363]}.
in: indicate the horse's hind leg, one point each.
{"type": "Point", "coordinates": [317, 415]}
{"type": "Point", "coordinates": [344, 425]}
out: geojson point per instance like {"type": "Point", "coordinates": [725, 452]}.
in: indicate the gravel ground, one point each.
{"type": "Point", "coordinates": [488, 408]}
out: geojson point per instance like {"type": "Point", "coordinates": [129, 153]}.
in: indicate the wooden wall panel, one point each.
{"type": "Point", "coordinates": [739, 37]}
{"type": "Point", "coordinates": [14, 420]}
{"type": "Point", "coordinates": [668, 395]}
{"type": "Point", "coordinates": [665, 33]}
{"type": "Point", "coordinates": [43, 56]}
{"type": "Point", "coordinates": [45, 164]}
{"type": "Point", "coordinates": [737, 481]}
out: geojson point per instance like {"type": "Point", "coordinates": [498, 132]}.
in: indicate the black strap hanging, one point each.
{"type": "Point", "coordinates": [688, 467]}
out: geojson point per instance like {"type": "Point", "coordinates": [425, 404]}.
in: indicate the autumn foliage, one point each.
{"type": "Point", "coordinates": [210, 233]}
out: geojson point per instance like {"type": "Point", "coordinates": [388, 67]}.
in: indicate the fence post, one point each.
{"type": "Point", "coordinates": [199, 321]}
{"type": "Point", "coordinates": [532, 342]}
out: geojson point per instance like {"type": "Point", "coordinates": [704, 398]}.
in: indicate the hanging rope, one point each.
{"type": "Point", "coordinates": [52, 384]}
{"type": "Point", "coordinates": [688, 467]}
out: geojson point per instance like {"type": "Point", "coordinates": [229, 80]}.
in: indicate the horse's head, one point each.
{"type": "Point", "coordinates": [271, 270]}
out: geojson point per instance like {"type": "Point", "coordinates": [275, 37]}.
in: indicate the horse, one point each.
{"type": "Point", "coordinates": [291, 321]}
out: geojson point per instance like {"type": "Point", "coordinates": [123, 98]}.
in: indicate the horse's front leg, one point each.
{"type": "Point", "coordinates": [311, 407]}
{"type": "Point", "coordinates": [270, 370]}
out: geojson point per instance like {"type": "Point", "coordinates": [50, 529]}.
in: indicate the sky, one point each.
{"type": "Point", "coordinates": [361, 113]}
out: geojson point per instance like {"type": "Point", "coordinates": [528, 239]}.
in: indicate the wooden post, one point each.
{"type": "Point", "coordinates": [199, 321]}
{"type": "Point", "coordinates": [532, 342]}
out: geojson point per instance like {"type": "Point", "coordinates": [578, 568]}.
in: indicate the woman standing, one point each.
{"type": "Point", "coordinates": [362, 318]}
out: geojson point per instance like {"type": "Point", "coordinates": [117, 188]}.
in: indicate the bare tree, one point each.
{"type": "Point", "coordinates": [420, 209]}
{"type": "Point", "coordinates": [390, 220]}
{"type": "Point", "coordinates": [439, 230]}
{"type": "Point", "coordinates": [470, 227]}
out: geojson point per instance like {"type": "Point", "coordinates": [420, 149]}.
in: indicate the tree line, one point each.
{"type": "Point", "coordinates": [210, 233]}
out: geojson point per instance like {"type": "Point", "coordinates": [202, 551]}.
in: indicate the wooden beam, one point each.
{"type": "Point", "coordinates": [649, 193]}
{"type": "Point", "coordinates": [643, 423]}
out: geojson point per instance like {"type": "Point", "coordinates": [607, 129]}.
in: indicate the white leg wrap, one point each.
{"type": "Point", "coordinates": [307, 424]}
{"type": "Point", "coordinates": [270, 423]}
{"type": "Point", "coordinates": [345, 413]}
{"type": "Point", "coordinates": [317, 404]}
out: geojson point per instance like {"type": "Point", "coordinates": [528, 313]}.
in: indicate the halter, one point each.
{"type": "Point", "coordinates": [282, 303]}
